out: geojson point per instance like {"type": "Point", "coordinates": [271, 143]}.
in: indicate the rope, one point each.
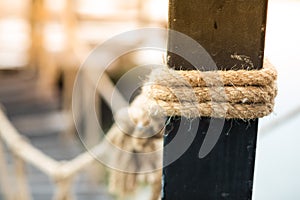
{"type": "Point", "coordinates": [137, 133]}
{"type": "Point", "coordinates": [243, 94]}
{"type": "Point", "coordinates": [227, 94]}
{"type": "Point", "coordinates": [230, 94]}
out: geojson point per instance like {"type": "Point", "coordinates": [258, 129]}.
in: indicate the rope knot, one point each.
{"type": "Point", "coordinates": [239, 94]}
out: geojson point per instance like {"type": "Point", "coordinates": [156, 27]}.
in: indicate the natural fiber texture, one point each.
{"type": "Point", "coordinates": [138, 132]}
{"type": "Point", "coordinates": [243, 94]}
{"type": "Point", "coordinates": [227, 94]}
{"type": "Point", "coordinates": [195, 78]}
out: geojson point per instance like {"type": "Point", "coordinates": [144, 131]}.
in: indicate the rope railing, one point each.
{"type": "Point", "coordinates": [61, 172]}
{"type": "Point", "coordinates": [20, 146]}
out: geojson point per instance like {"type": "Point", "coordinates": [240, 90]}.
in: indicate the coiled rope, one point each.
{"type": "Point", "coordinates": [241, 94]}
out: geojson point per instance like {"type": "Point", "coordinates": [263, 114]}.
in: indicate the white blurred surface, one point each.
{"type": "Point", "coordinates": [277, 170]}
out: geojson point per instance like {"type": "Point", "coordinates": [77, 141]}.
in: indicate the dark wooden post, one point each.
{"type": "Point", "coordinates": [232, 31]}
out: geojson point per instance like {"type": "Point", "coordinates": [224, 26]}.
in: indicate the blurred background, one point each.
{"type": "Point", "coordinates": [44, 42]}
{"type": "Point", "coordinates": [42, 45]}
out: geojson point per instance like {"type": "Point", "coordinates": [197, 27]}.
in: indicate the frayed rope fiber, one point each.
{"type": "Point", "coordinates": [242, 94]}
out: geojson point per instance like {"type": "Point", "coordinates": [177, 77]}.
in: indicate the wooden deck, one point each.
{"type": "Point", "coordinates": [37, 116]}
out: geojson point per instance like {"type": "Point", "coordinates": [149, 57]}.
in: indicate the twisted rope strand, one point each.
{"type": "Point", "coordinates": [195, 78]}
{"type": "Point", "coordinates": [244, 94]}
{"type": "Point", "coordinates": [238, 94]}
{"type": "Point", "coordinates": [251, 94]}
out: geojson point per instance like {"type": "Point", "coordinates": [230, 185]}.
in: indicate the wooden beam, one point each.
{"type": "Point", "coordinates": [232, 32]}
{"type": "Point", "coordinates": [223, 27]}
{"type": "Point", "coordinates": [5, 176]}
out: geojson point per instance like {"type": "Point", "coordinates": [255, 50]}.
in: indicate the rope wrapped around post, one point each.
{"type": "Point", "coordinates": [230, 94]}
{"type": "Point", "coordinates": [242, 94]}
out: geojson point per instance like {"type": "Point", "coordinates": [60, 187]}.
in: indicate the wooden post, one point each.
{"type": "Point", "coordinates": [36, 32]}
{"type": "Point", "coordinates": [23, 192]}
{"type": "Point", "coordinates": [232, 32]}
{"type": "Point", "coordinates": [64, 189]}
{"type": "Point", "coordinates": [5, 179]}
